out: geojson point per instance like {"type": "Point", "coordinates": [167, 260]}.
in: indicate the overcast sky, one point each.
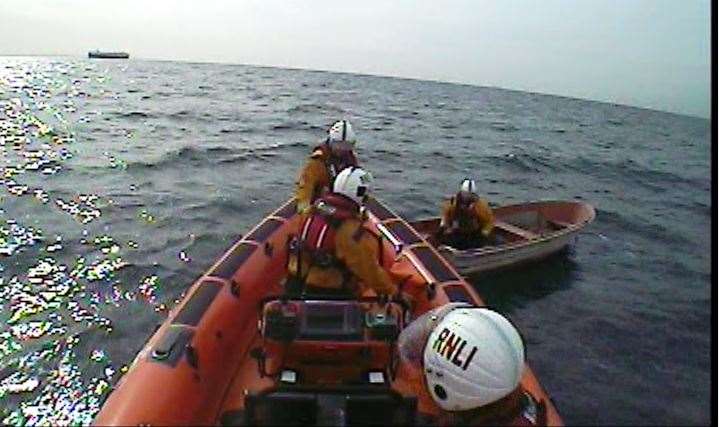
{"type": "Point", "coordinates": [648, 53]}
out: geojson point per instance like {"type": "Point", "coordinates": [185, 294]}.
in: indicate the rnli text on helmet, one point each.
{"type": "Point", "coordinates": [450, 345]}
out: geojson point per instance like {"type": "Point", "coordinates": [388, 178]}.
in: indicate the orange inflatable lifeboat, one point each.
{"type": "Point", "coordinates": [238, 351]}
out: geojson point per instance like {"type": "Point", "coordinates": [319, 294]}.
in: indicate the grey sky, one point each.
{"type": "Point", "coordinates": [648, 53]}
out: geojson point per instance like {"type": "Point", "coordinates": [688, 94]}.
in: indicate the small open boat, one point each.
{"type": "Point", "coordinates": [238, 350]}
{"type": "Point", "coordinates": [527, 232]}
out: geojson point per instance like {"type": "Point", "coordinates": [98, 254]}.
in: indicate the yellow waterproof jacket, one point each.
{"type": "Point", "coordinates": [358, 250]}
{"type": "Point", "coordinates": [314, 179]}
{"type": "Point", "coordinates": [317, 175]}
{"type": "Point", "coordinates": [477, 216]}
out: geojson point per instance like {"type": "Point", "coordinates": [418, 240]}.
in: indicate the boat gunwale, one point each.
{"type": "Point", "coordinates": [243, 238]}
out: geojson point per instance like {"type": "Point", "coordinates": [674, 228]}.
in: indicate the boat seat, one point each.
{"type": "Point", "coordinates": [513, 229]}
{"type": "Point", "coordinates": [311, 408]}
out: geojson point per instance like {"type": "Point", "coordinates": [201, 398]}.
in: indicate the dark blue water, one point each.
{"type": "Point", "coordinates": [124, 181]}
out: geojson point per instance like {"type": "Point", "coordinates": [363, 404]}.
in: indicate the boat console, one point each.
{"type": "Point", "coordinates": [331, 320]}
{"type": "Point", "coordinates": [332, 361]}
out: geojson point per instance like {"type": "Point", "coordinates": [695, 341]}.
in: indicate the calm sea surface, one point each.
{"type": "Point", "coordinates": [123, 181]}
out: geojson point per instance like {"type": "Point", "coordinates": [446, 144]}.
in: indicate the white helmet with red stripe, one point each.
{"type": "Point", "coordinates": [353, 182]}
{"type": "Point", "coordinates": [341, 131]}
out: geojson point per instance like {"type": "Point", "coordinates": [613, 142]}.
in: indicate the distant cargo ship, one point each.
{"type": "Point", "coordinates": [108, 55]}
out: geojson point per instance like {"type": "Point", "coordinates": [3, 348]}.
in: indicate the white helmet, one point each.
{"type": "Point", "coordinates": [468, 186]}
{"type": "Point", "coordinates": [341, 131]}
{"type": "Point", "coordinates": [353, 182]}
{"type": "Point", "coordinates": [471, 356]}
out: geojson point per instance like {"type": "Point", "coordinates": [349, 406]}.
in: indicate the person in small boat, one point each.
{"type": "Point", "coordinates": [335, 251]}
{"type": "Point", "coordinates": [467, 220]}
{"type": "Point", "coordinates": [471, 361]}
{"type": "Point", "coordinates": [325, 162]}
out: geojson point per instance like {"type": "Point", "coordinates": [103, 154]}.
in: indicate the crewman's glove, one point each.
{"type": "Point", "coordinates": [302, 208]}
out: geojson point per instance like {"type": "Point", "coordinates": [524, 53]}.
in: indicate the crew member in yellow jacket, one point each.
{"type": "Point", "coordinates": [324, 163]}
{"type": "Point", "coordinates": [467, 220]}
{"type": "Point", "coordinates": [335, 251]}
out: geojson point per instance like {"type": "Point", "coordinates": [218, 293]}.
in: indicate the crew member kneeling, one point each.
{"type": "Point", "coordinates": [467, 220]}
{"type": "Point", "coordinates": [334, 252]}
{"type": "Point", "coordinates": [472, 362]}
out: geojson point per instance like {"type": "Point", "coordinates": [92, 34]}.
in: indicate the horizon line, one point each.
{"type": "Point", "coordinates": [356, 73]}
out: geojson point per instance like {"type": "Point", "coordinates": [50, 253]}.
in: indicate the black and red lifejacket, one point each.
{"type": "Point", "coordinates": [317, 233]}
{"type": "Point", "coordinates": [316, 239]}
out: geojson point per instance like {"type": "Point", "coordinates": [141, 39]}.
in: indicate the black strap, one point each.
{"type": "Point", "coordinates": [380, 248]}
{"type": "Point", "coordinates": [298, 249]}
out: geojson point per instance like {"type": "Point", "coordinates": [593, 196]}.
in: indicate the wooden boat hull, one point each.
{"type": "Point", "coordinates": [531, 232]}
{"type": "Point", "coordinates": [211, 362]}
